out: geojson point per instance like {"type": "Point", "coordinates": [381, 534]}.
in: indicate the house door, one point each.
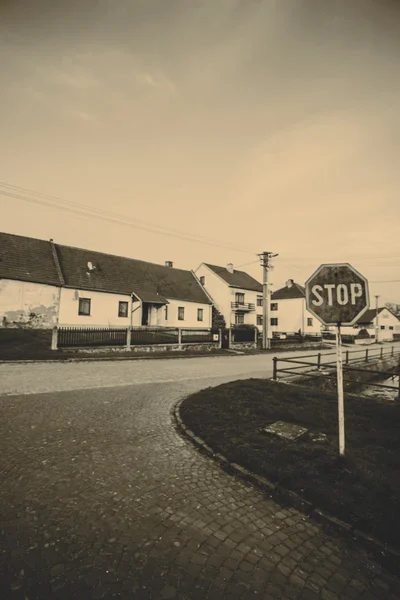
{"type": "Point", "coordinates": [145, 314]}
{"type": "Point", "coordinates": [225, 338]}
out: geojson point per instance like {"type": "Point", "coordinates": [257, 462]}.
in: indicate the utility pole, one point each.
{"type": "Point", "coordinates": [376, 320]}
{"type": "Point", "coordinates": [265, 258]}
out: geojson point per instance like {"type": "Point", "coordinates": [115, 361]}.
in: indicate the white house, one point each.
{"type": "Point", "coordinates": [43, 284]}
{"type": "Point", "coordinates": [29, 282]}
{"type": "Point", "coordinates": [288, 312]}
{"type": "Point", "coordinates": [388, 324]}
{"type": "Point", "coordinates": [236, 295]}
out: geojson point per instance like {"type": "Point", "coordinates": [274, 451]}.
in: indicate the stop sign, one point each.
{"type": "Point", "coordinates": [337, 293]}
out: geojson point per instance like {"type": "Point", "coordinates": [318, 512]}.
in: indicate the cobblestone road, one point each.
{"type": "Point", "coordinates": [101, 498]}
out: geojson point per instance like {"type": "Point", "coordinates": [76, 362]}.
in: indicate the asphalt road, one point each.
{"type": "Point", "coordinates": [31, 378]}
{"type": "Point", "coordinates": [101, 498]}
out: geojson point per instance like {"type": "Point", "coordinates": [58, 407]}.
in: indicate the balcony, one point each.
{"type": "Point", "coordinates": [242, 306]}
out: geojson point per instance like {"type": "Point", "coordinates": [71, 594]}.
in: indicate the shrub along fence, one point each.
{"type": "Point", "coordinates": [150, 336]}
{"type": "Point", "coordinates": [197, 336]}
{"type": "Point", "coordinates": [244, 334]}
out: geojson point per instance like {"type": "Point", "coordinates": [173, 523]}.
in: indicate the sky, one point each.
{"type": "Point", "coordinates": [261, 125]}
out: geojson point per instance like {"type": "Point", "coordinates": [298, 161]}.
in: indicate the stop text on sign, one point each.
{"type": "Point", "coordinates": [342, 293]}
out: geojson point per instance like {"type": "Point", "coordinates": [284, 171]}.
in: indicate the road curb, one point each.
{"type": "Point", "coordinates": [279, 493]}
{"type": "Point", "coordinates": [110, 359]}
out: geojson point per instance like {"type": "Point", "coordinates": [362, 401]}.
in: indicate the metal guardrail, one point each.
{"type": "Point", "coordinates": [367, 355]}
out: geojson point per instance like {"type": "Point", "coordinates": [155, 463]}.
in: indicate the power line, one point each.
{"type": "Point", "coordinates": [387, 281]}
{"type": "Point", "coordinates": [310, 260]}
{"type": "Point", "coordinates": [87, 211]}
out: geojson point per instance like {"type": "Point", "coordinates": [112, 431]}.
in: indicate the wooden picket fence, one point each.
{"type": "Point", "coordinates": [86, 337]}
{"type": "Point", "coordinates": [73, 337]}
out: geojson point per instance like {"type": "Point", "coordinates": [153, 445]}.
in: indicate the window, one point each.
{"type": "Point", "coordinates": [239, 319]}
{"type": "Point", "coordinates": [309, 322]}
{"type": "Point", "coordinates": [240, 298]}
{"type": "Point", "coordinates": [259, 300]}
{"type": "Point", "coordinates": [202, 280]}
{"type": "Point", "coordinates": [84, 306]}
{"type": "Point", "coordinates": [181, 313]}
{"type": "Point", "coordinates": [274, 322]}
{"type": "Point", "coordinates": [259, 319]}
{"type": "Point", "coordinates": [391, 327]}
{"type": "Point", "coordinates": [199, 314]}
{"type": "Point", "coordinates": [385, 315]}
{"type": "Point", "coordinates": [383, 327]}
{"type": "Point", "coordinates": [166, 312]}
{"type": "Point", "coordinates": [274, 306]}
{"type": "Point", "coordinates": [123, 309]}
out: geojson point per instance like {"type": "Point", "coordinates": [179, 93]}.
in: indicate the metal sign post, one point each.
{"type": "Point", "coordinates": [337, 295]}
{"type": "Point", "coordinates": [339, 368]}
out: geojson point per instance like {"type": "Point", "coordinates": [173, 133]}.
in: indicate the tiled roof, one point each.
{"type": "Point", "coordinates": [27, 259]}
{"type": "Point", "coordinates": [288, 293]}
{"type": "Point", "coordinates": [30, 259]}
{"type": "Point", "coordinates": [370, 314]}
{"type": "Point", "coordinates": [149, 281]}
{"type": "Point", "coordinates": [238, 279]}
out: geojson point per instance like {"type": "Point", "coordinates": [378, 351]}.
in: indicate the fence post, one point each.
{"type": "Point", "coordinates": [255, 336]}
{"type": "Point", "coordinates": [381, 352]}
{"type": "Point", "coordinates": [366, 355]}
{"type": "Point", "coordinates": [220, 338]}
{"type": "Point", "coordinates": [229, 337]}
{"type": "Point", "coordinates": [347, 357]}
{"type": "Point", "coordinates": [398, 395]}
{"type": "Point", "coordinates": [128, 338]}
{"type": "Point", "coordinates": [275, 368]}
{"type": "Point", "coordinates": [392, 350]}
{"type": "Point", "coordinates": [180, 338]}
{"type": "Point", "coordinates": [319, 361]}
{"type": "Point", "coordinates": [54, 339]}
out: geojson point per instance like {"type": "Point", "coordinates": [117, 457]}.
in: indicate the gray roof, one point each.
{"type": "Point", "coordinates": [370, 314]}
{"type": "Point", "coordinates": [30, 259]}
{"type": "Point", "coordinates": [27, 259]}
{"type": "Point", "coordinates": [288, 293]}
{"type": "Point", "coordinates": [238, 279]}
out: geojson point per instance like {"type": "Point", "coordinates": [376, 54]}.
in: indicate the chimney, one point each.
{"type": "Point", "coordinates": [229, 267]}
{"type": "Point", "coordinates": [289, 283]}
{"type": "Point", "coordinates": [169, 264]}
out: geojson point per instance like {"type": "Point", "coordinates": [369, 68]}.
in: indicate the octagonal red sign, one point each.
{"type": "Point", "coordinates": [337, 293]}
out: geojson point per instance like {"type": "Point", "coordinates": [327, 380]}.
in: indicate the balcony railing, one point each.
{"type": "Point", "coordinates": [242, 306]}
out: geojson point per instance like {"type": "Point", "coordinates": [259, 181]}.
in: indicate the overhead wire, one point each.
{"type": "Point", "coordinates": [13, 191]}
{"type": "Point", "coordinates": [88, 211]}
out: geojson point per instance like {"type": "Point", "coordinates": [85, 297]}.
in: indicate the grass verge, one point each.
{"type": "Point", "coordinates": [363, 490]}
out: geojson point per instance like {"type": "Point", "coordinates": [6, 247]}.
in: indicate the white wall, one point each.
{"type": "Point", "coordinates": [190, 314]}
{"type": "Point", "coordinates": [292, 315]}
{"type": "Point", "coordinates": [385, 319]}
{"type": "Point", "coordinates": [104, 309]}
{"type": "Point", "coordinates": [223, 296]}
{"type": "Point", "coordinates": [31, 304]}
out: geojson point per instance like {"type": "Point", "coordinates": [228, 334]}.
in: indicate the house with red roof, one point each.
{"type": "Point", "coordinates": [43, 284]}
